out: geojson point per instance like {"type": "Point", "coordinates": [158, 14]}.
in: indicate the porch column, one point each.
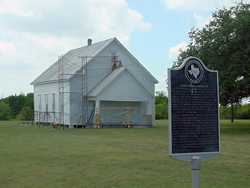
{"type": "Point", "coordinates": [97, 106]}
{"type": "Point", "coordinates": [153, 112]}
{"type": "Point", "coordinates": [97, 113]}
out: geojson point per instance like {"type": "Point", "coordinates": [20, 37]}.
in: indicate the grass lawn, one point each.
{"type": "Point", "coordinates": [44, 157]}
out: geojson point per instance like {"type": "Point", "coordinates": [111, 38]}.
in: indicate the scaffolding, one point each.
{"type": "Point", "coordinates": [60, 117]}
{"type": "Point", "coordinates": [85, 116]}
{"type": "Point", "coordinates": [41, 116]}
{"type": "Point", "coordinates": [60, 92]}
{"type": "Point", "coordinates": [84, 95]}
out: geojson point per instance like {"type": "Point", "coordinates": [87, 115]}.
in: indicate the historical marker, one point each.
{"type": "Point", "coordinates": [193, 111]}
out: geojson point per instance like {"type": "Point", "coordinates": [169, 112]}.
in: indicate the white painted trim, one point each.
{"type": "Point", "coordinates": [218, 95]}
{"type": "Point", "coordinates": [169, 111]}
{"type": "Point", "coordinates": [196, 58]}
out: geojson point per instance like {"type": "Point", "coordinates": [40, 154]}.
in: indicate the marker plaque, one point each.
{"type": "Point", "coordinates": [193, 110]}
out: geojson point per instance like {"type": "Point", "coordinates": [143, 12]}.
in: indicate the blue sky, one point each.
{"type": "Point", "coordinates": [34, 33]}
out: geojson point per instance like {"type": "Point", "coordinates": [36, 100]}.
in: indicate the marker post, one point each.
{"type": "Point", "coordinates": [193, 111]}
{"type": "Point", "coordinates": [195, 171]}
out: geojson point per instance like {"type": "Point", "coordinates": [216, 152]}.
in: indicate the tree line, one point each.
{"type": "Point", "coordinates": [161, 105]}
{"type": "Point", "coordinates": [20, 107]}
{"type": "Point", "coordinates": [242, 111]}
{"type": "Point", "coordinates": [17, 107]}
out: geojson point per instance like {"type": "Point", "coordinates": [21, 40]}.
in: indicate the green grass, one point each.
{"type": "Point", "coordinates": [44, 157]}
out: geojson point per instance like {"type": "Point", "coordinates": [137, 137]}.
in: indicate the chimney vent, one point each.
{"type": "Point", "coordinates": [89, 42]}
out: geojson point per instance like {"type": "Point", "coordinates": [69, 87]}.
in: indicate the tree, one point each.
{"type": "Point", "coordinates": [161, 105]}
{"type": "Point", "coordinates": [29, 101]}
{"type": "Point", "coordinates": [25, 114]}
{"type": "Point", "coordinates": [18, 102]}
{"type": "Point", "coordinates": [224, 45]}
{"type": "Point", "coordinates": [4, 111]}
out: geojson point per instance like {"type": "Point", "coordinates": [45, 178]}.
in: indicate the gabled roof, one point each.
{"type": "Point", "coordinates": [106, 81]}
{"type": "Point", "coordinates": [136, 61]}
{"type": "Point", "coordinates": [72, 61]}
{"type": "Point", "coordinates": [109, 79]}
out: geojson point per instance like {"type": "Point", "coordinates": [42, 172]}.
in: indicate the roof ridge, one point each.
{"type": "Point", "coordinates": [93, 44]}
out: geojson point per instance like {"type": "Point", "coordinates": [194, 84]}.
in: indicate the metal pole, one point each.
{"type": "Point", "coordinates": [195, 171]}
{"type": "Point", "coordinates": [86, 91]}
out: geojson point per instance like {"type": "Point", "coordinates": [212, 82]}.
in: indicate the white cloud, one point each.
{"type": "Point", "coordinates": [136, 17]}
{"type": "Point", "coordinates": [9, 7]}
{"type": "Point", "coordinates": [173, 52]}
{"type": "Point", "coordinates": [200, 20]}
{"type": "Point", "coordinates": [34, 33]}
{"type": "Point", "coordinates": [198, 5]}
{"type": "Point", "coordinates": [7, 48]}
{"type": "Point", "coordinates": [201, 9]}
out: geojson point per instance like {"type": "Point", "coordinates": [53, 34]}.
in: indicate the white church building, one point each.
{"type": "Point", "coordinates": [100, 84]}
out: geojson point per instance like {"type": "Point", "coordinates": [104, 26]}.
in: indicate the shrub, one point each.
{"type": "Point", "coordinates": [241, 112]}
{"type": "Point", "coordinates": [25, 114]}
{"type": "Point", "coordinates": [161, 106]}
{"type": "Point", "coordinates": [5, 112]}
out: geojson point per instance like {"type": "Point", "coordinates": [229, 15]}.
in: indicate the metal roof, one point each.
{"type": "Point", "coordinates": [71, 62]}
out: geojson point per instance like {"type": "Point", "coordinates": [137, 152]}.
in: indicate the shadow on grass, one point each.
{"type": "Point", "coordinates": [237, 127]}
{"type": "Point", "coordinates": [235, 130]}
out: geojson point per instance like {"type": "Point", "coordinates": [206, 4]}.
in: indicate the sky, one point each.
{"type": "Point", "coordinates": [34, 33]}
